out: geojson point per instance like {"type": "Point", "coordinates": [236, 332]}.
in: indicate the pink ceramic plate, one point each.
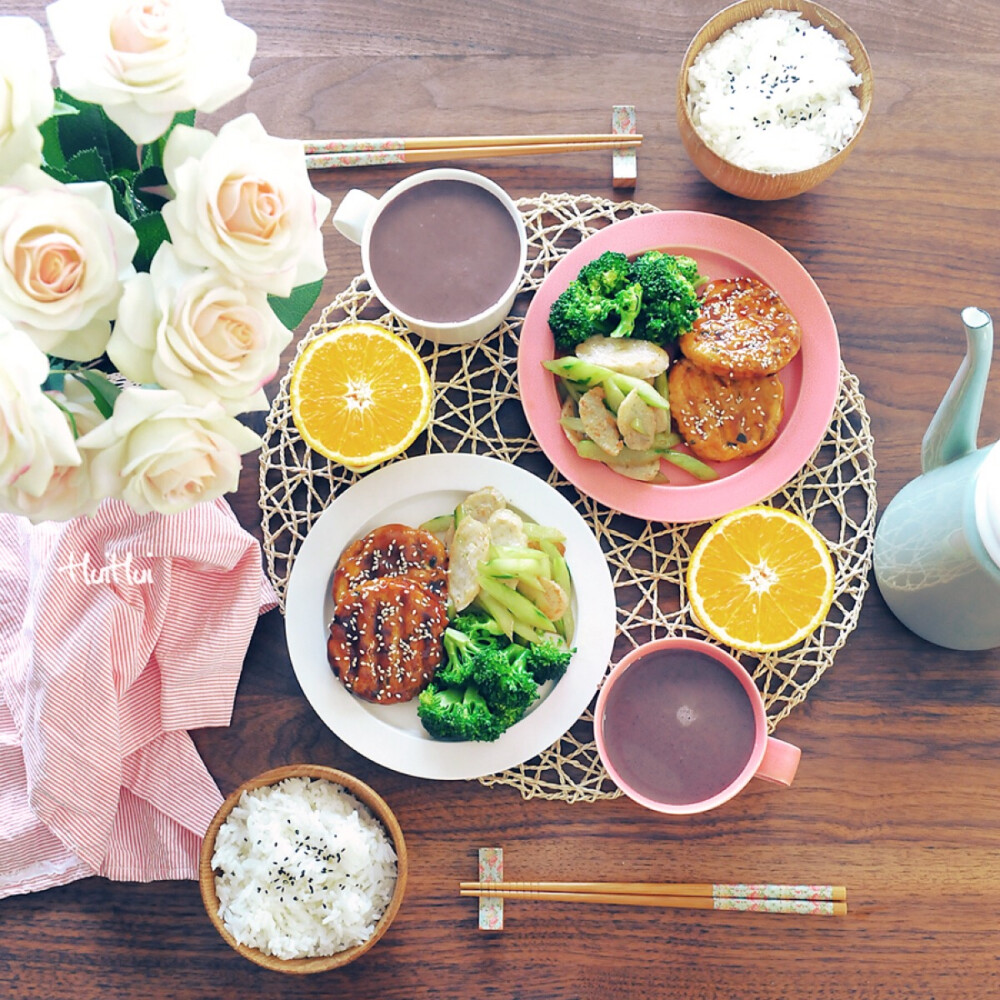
{"type": "Point", "coordinates": [723, 248]}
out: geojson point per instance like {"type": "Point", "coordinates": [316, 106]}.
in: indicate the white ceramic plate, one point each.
{"type": "Point", "coordinates": [411, 492]}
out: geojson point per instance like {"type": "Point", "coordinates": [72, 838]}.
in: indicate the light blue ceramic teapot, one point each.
{"type": "Point", "coordinates": [937, 547]}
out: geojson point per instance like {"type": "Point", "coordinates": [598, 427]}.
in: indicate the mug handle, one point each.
{"type": "Point", "coordinates": [780, 762]}
{"type": "Point", "coordinates": [352, 214]}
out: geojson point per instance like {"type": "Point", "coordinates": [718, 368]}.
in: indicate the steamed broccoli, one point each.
{"type": "Point", "coordinates": [479, 693]}
{"type": "Point", "coordinates": [468, 642]}
{"type": "Point", "coordinates": [606, 275]}
{"type": "Point", "coordinates": [505, 683]}
{"type": "Point", "coordinates": [468, 667]}
{"type": "Point", "coordinates": [487, 682]}
{"type": "Point", "coordinates": [669, 295]}
{"type": "Point", "coordinates": [452, 713]}
{"type": "Point", "coordinates": [547, 661]}
{"type": "Point", "coordinates": [601, 301]}
{"type": "Point", "coordinates": [476, 625]}
{"type": "Point", "coordinates": [578, 314]}
{"type": "Point", "coordinates": [688, 266]}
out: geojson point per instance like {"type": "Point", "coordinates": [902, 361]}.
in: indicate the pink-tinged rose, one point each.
{"type": "Point", "coordinates": [26, 96]}
{"type": "Point", "coordinates": [244, 204]}
{"type": "Point", "coordinates": [160, 453]}
{"type": "Point", "coordinates": [64, 253]}
{"type": "Point", "coordinates": [145, 60]}
{"type": "Point", "coordinates": [35, 436]}
{"type": "Point", "coordinates": [197, 331]}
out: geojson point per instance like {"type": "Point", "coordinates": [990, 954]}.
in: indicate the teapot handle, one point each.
{"type": "Point", "coordinates": [954, 427]}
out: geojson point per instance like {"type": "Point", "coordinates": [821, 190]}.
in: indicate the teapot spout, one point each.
{"type": "Point", "coordinates": [953, 429]}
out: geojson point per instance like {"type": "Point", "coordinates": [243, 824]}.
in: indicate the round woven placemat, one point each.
{"type": "Point", "coordinates": [476, 395]}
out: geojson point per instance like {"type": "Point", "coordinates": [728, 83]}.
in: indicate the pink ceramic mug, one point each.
{"type": "Point", "coordinates": [681, 728]}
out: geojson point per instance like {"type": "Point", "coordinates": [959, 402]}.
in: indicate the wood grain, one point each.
{"type": "Point", "coordinates": [897, 795]}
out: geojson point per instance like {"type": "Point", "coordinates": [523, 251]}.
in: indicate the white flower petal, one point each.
{"type": "Point", "coordinates": [144, 66]}
{"type": "Point", "coordinates": [35, 436]}
{"type": "Point", "coordinates": [25, 75]}
{"type": "Point", "coordinates": [244, 204]}
{"type": "Point", "coordinates": [165, 454]}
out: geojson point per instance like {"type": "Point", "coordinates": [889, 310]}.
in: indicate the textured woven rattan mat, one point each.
{"type": "Point", "coordinates": [476, 395]}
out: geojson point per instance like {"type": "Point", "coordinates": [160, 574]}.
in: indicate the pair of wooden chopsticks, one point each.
{"type": "Point", "coordinates": [823, 900]}
{"type": "Point", "coordinates": [326, 153]}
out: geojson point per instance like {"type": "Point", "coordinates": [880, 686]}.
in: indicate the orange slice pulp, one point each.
{"type": "Point", "coordinates": [359, 395]}
{"type": "Point", "coordinates": [761, 579]}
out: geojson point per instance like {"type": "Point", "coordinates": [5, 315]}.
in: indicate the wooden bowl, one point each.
{"type": "Point", "coordinates": [360, 791]}
{"type": "Point", "coordinates": [750, 183]}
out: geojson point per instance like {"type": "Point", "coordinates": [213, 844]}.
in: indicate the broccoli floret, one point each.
{"type": "Point", "coordinates": [464, 649]}
{"type": "Point", "coordinates": [547, 661]}
{"type": "Point", "coordinates": [578, 314]}
{"type": "Point", "coordinates": [600, 301]}
{"type": "Point", "coordinates": [476, 625]}
{"type": "Point", "coordinates": [688, 266]}
{"type": "Point", "coordinates": [626, 306]}
{"type": "Point", "coordinates": [483, 686]}
{"type": "Point", "coordinates": [505, 683]}
{"type": "Point", "coordinates": [607, 275]}
{"type": "Point", "coordinates": [487, 682]}
{"type": "Point", "coordinates": [451, 713]}
{"type": "Point", "coordinates": [669, 295]}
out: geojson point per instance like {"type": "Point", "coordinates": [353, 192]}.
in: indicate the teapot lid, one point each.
{"type": "Point", "coordinates": [988, 503]}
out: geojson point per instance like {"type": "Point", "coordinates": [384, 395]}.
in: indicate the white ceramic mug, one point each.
{"type": "Point", "coordinates": [356, 216]}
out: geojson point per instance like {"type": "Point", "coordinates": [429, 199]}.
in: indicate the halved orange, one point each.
{"type": "Point", "coordinates": [359, 395]}
{"type": "Point", "coordinates": [761, 579]}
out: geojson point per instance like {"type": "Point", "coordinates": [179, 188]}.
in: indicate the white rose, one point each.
{"type": "Point", "coordinates": [26, 96]}
{"type": "Point", "coordinates": [64, 254]}
{"type": "Point", "coordinates": [199, 332]}
{"type": "Point", "coordinates": [35, 437]}
{"type": "Point", "coordinates": [70, 491]}
{"type": "Point", "coordinates": [243, 203]}
{"type": "Point", "coordinates": [145, 60]}
{"type": "Point", "coordinates": [159, 453]}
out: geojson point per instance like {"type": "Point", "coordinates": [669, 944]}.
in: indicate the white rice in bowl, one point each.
{"type": "Point", "coordinates": [302, 869]}
{"type": "Point", "coordinates": [773, 94]}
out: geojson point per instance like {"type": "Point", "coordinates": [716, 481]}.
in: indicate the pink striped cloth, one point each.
{"type": "Point", "coordinates": [118, 634]}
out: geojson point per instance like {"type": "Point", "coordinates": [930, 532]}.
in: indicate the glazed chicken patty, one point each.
{"type": "Point", "coordinates": [743, 329]}
{"type": "Point", "coordinates": [385, 638]}
{"type": "Point", "coordinates": [722, 418]}
{"type": "Point", "coordinates": [390, 592]}
{"type": "Point", "coordinates": [392, 550]}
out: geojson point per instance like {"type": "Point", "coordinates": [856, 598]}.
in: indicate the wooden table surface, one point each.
{"type": "Point", "coordinates": [897, 796]}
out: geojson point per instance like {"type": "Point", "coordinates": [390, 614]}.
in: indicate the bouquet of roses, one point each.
{"type": "Point", "coordinates": [150, 271]}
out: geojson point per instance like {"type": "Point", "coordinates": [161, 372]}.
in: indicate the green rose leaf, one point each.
{"type": "Point", "coordinates": [90, 128]}
{"type": "Point", "coordinates": [293, 310]}
{"type": "Point", "coordinates": [53, 157]}
{"type": "Point", "coordinates": [56, 379]}
{"type": "Point", "coordinates": [104, 391]}
{"type": "Point", "coordinates": [152, 231]}
{"type": "Point", "coordinates": [88, 165]}
{"type": "Point", "coordinates": [60, 174]}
